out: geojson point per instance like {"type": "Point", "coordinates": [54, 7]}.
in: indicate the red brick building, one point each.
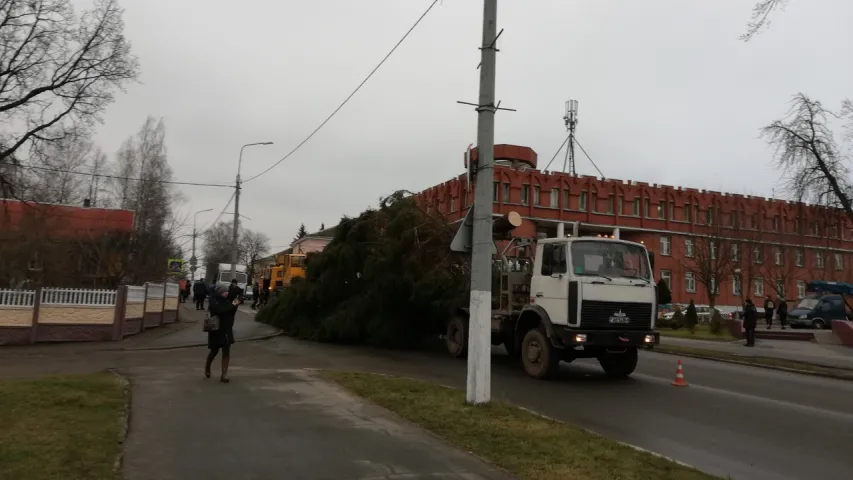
{"type": "Point", "coordinates": [739, 245]}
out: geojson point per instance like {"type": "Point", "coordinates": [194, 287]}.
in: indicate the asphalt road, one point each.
{"type": "Point", "coordinates": [742, 422]}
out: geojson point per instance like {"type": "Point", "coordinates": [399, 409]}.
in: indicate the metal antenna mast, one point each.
{"type": "Point", "coordinates": [571, 119]}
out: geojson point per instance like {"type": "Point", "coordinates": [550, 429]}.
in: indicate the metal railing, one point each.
{"type": "Point", "coordinates": [78, 296]}
{"type": "Point", "coordinates": [17, 298]}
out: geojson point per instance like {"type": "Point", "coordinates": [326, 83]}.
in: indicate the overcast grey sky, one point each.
{"type": "Point", "coordinates": [667, 92]}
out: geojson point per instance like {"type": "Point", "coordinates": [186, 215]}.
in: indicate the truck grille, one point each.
{"type": "Point", "coordinates": [600, 315]}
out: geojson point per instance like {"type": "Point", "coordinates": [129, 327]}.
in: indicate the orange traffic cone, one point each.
{"type": "Point", "coordinates": [679, 377]}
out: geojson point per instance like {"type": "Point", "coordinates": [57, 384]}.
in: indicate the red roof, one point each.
{"type": "Point", "coordinates": [65, 220]}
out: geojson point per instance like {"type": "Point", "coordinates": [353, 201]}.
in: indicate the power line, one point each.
{"type": "Point", "coordinates": [117, 177]}
{"type": "Point", "coordinates": [303, 142]}
{"type": "Point", "coordinates": [220, 213]}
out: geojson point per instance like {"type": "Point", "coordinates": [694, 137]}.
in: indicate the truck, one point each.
{"type": "Point", "coordinates": [287, 267]}
{"type": "Point", "coordinates": [221, 274]}
{"type": "Point", "coordinates": [577, 297]}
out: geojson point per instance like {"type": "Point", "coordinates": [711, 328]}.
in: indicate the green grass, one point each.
{"type": "Point", "coordinates": [527, 445]}
{"type": "Point", "coordinates": [770, 362]}
{"type": "Point", "coordinates": [703, 332]}
{"type": "Point", "coordinates": [61, 428]}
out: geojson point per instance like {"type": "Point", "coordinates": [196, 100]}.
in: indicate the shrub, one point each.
{"type": "Point", "coordinates": [677, 319]}
{"type": "Point", "coordinates": [691, 317]}
{"type": "Point", "coordinates": [387, 278]}
{"type": "Point", "coordinates": [664, 295]}
{"type": "Point", "coordinates": [716, 325]}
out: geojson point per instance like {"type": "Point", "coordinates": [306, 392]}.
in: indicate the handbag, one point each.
{"type": "Point", "coordinates": [211, 323]}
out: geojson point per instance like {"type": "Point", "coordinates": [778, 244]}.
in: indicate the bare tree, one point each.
{"type": "Point", "coordinates": [782, 267]}
{"type": "Point", "coordinates": [58, 71]}
{"type": "Point", "coordinates": [217, 243]}
{"type": "Point", "coordinates": [747, 258]}
{"type": "Point", "coordinates": [760, 18]}
{"type": "Point", "coordinates": [53, 175]}
{"type": "Point", "coordinates": [805, 147]}
{"type": "Point", "coordinates": [711, 260]}
{"type": "Point", "coordinates": [253, 245]}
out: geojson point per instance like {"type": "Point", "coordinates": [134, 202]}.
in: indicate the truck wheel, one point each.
{"type": "Point", "coordinates": [619, 364]}
{"type": "Point", "coordinates": [456, 337]}
{"type": "Point", "coordinates": [540, 358]}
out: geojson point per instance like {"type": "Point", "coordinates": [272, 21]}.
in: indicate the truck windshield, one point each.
{"type": "Point", "coordinates": [610, 259]}
{"type": "Point", "coordinates": [225, 277]}
{"type": "Point", "coordinates": [297, 261]}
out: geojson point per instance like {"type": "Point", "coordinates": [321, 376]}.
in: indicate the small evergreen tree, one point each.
{"type": "Point", "coordinates": [691, 317]}
{"type": "Point", "coordinates": [716, 325]}
{"type": "Point", "coordinates": [664, 295]}
{"type": "Point", "coordinates": [301, 233]}
{"type": "Point", "coordinates": [322, 226]}
{"type": "Point", "coordinates": [677, 319]}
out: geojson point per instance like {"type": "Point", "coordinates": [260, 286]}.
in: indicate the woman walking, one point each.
{"type": "Point", "coordinates": [223, 306]}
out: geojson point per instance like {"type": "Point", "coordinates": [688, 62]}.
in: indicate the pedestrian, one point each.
{"type": "Point", "coordinates": [769, 307]}
{"type": "Point", "coordinates": [782, 310]}
{"type": "Point", "coordinates": [235, 291]}
{"type": "Point", "coordinates": [199, 292]}
{"type": "Point", "coordinates": [256, 295]}
{"type": "Point", "coordinates": [223, 306]}
{"type": "Point", "coordinates": [750, 321]}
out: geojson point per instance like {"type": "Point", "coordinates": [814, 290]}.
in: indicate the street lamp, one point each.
{"type": "Point", "coordinates": [234, 234]}
{"type": "Point", "coordinates": [193, 259]}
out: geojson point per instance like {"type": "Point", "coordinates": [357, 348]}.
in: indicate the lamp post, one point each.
{"type": "Point", "coordinates": [234, 235]}
{"type": "Point", "coordinates": [193, 259]}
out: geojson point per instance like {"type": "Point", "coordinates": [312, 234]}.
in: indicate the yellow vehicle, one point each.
{"type": "Point", "coordinates": [286, 268]}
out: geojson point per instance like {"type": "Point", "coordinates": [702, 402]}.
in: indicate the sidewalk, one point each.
{"type": "Point", "coordinates": [275, 424]}
{"type": "Point", "coordinates": [807, 352]}
{"type": "Point", "coordinates": [245, 328]}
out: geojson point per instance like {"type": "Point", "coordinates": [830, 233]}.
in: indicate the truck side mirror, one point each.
{"type": "Point", "coordinates": [652, 262]}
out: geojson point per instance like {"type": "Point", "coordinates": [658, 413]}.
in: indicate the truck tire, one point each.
{"type": "Point", "coordinates": [456, 337]}
{"type": "Point", "coordinates": [541, 360]}
{"type": "Point", "coordinates": [619, 364]}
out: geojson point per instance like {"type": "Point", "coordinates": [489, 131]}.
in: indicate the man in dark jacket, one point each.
{"type": "Point", "coordinates": [256, 295]}
{"type": "Point", "coordinates": [769, 307]}
{"type": "Point", "coordinates": [782, 311]}
{"type": "Point", "coordinates": [750, 321]}
{"type": "Point", "coordinates": [199, 292]}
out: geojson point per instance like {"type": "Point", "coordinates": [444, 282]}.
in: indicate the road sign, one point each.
{"type": "Point", "coordinates": [463, 240]}
{"type": "Point", "coordinates": [193, 261]}
{"type": "Point", "coordinates": [176, 265]}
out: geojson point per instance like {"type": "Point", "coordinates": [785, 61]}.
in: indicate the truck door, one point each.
{"type": "Point", "coordinates": [550, 285]}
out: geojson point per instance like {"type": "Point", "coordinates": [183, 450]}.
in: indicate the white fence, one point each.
{"type": "Point", "coordinates": [135, 294]}
{"type": "Point", "coordinates": [155, 290]}
{"type": "Point", "coordinates": [77, 296]}
{"type": "Point", "coordinates": [17, 298]}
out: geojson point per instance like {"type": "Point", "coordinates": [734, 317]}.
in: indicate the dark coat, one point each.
{"type": "Point", "coordinates": [199, 289]}
{"type": "Point", "coordinates": [750, 315]}
{"type": "Point", "coordinates": [782, 309]}
{"type": "Point", "coordinates": [224, 310]}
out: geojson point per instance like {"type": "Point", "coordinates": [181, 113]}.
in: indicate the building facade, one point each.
{"type": "Point", "coordinates": [736, 245]}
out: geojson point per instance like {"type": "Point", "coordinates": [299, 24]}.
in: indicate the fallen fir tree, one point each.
{"type": "Point", "coordinates": [388, 278]}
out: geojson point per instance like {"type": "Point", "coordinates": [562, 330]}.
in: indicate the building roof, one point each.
{"type": "Point", "coordinates": [65, 220]}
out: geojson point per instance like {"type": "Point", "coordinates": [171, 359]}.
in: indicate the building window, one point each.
{"type": "Point", "coordinates": [736, 289]}
{"type": "Point", "coordinates": [834, 231]}
{"type": "Point", "coordinates": [661, 209]}
{"type": "Point", "coordinates": [799, 257]}
{"type": "Point", "coordinates": [818, 259]}
{"type": "Point", "coordinates": [537, 195]}
{"type": "Point", "coordinates": [567, 199]}
{"type": "Point", "coordinates": [506, 192]}
{"type": "Point", "coordinates": [776, 223]}
{"type": "Point", "coordinates": [756, 254]}
{"type": "Point", "coordinates": [688, 247]}
{"type": "Point", "coordinates": [797, 225]}
{"type": "Point", "coordinates": [525, 194]}
{"type": "Point", "coordinates": [801, 289]}
{"type": "Point", "coordinates": [758, 287]}
{"type": "Point", "coordinates": [816, 229]}
{"type": "Point", "coordinates": [709, 216]}
{"type": "Point", "coordinates": [35, 263]}
{"type": "Point", "coordinates": [687, 216]}
{"type": "Point", "coordinates": [777, 256]}
{"type": "Point", "coordinates": [555, 198]}
{"type": "Point", "coordinates": [732, 219]}
{"type": "Point", "coordinates": [713, 247]}
{"type": "Point", "coordinates": [735, 253]}
{"type": "Point", "coordinates": [666, 276]}
{"type": "Point", "coordinates": [646, 211]}
{"type": "Point", "coordinates": [696, 213]}
{"type": "Point", "coordinates": [714, 287]}
{"type": "Point", "coordinates": [839, 262]}
{"type": "Point", "coordinates": [636, 206]}
{"type": "Point", "coordinates": [620, 204]}
{"type": "Point", "coordinates": [689, 282]}
{"type": "Point", "coordinates": [495, 191]}
{"type": "Point", "coordinates": [672, 210]}
{"type": "Point", "coordinates": [754, 221]}
{"type": "Point", "coordinates": [452, 204]}
{"type": "Point", "coordinates": [582, 202]}
{"type": "Point", "coordinates": [610, 203]}
{"type": "Point", "coordinates": [593, 202]}
{"type": "Point", "coordinates": [780, 287]}
{"type": "Point", "coordinates": [665, 245]}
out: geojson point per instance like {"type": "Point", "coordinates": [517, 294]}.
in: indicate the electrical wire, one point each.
{"type": "Point", "coordinates": [220, 214]}
{"type": "Point", "coordinates": [369, 75]}
{"type": "Point", "coordinates": [117, 177]}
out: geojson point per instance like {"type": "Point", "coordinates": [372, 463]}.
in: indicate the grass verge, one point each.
{"type": "Point", "coordinates": [703, 332]}
{"type": "Point", "coordinates": [766, 362]}
{"type": "Point", "coordinates": [59, 428]}
{"type": "Point", "coordinates": [525, 444]}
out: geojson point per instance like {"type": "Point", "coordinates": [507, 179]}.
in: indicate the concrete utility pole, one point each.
{"type": "Point", "coordinates": [235, 234]}
{"type": "Point", "coordinates": [194, 259]}
{"type": "Point", "coordinates": [480, 320]}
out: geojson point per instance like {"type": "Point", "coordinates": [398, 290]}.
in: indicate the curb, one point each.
{"type": "Point", "coordinates": [836, 376]}
{"type": "Point", "coordinates": [199, 344]}
{"type": "Point", "coordinates": [124, 422]}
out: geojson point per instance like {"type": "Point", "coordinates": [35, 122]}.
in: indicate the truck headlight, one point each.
{"type": "Point", "coordinates": [649, 339]}
{"type": "Point", "coordinates": [580, 338]}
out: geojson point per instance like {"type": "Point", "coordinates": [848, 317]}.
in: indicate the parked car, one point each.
{"type": "Point", "coordinates": [703, 311]}
{"type": "Point", "coordinates": [817, 312]}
